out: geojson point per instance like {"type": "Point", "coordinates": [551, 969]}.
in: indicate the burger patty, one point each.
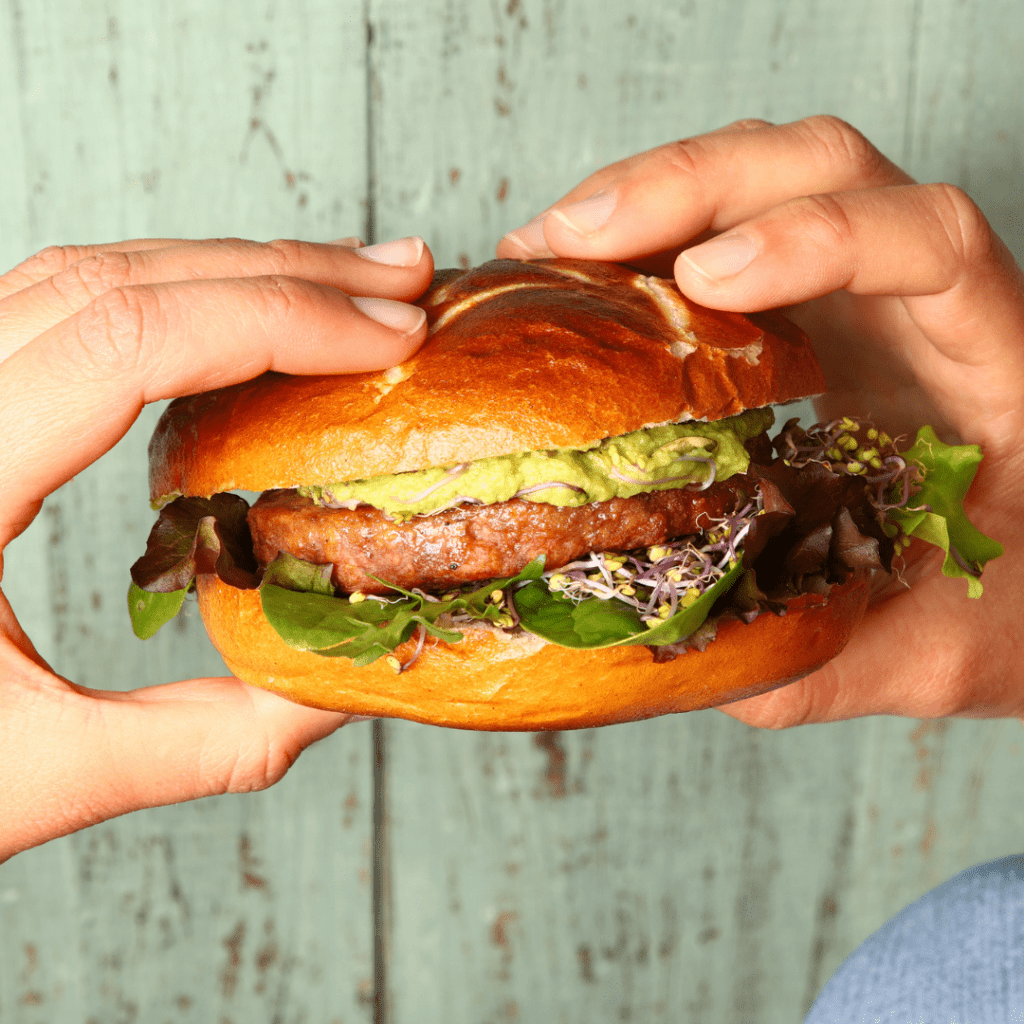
{"type": "Point", "coordinates": [475, 542]}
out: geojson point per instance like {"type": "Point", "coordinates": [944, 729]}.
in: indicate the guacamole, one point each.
{"type": "Point", "coordinates": [655, 459]}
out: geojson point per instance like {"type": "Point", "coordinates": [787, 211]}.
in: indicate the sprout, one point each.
{"type": "Point", "coordinates": [547, 486]}
{"type": "Point", "coordinates": [660, 580]}
{"type": "Point", "coordinates": [460, 499]}
{"type": "Point", "coordinates": [452, 474]}
{"type": "Point", "coordinates": [415, 654]}
{"type": "Point", "coordinates": [651, 481]}
{"type": "Point", "coordinates": [848, 446]}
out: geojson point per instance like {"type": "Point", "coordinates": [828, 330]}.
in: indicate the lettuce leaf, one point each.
{"type": "Point", "coordinates": [149, 610]}
{"type": "Point", "coordinates": [191, 536]}
{"type": "Point", "coordinates": [948, 471]}
{"type": "Point", "coordinates": [298, 602]}
{"type": "Point", "coordinates": [595, 623]}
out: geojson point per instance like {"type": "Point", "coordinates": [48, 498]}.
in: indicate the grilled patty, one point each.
{"type": "Point", "coordinates": [475, 542]}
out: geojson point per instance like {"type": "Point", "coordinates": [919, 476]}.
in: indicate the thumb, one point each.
{"type": "Point", "coordinates": [73, 757]}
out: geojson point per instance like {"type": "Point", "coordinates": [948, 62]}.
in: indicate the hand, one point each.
{"type": "Point", "coordinates": [917, 312]}
{"type": "Point", "coordinates": [90, 334]}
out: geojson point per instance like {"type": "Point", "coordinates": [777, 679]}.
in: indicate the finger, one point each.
{"type": "Point", "coordinates": [55, 258]}
{"type": "Point", "coordinates": [71, 394]}
{"type": "Point", "coordinates": [133, 750]}
{"type": "Point", "coordinates": [671, 194]}
{"type": "Point", "coordinates": [742, 125]}
{"type": "Point", "coordinates": [11, 630]}
{"type": "Point", "coordinates": [926, 651]}
{"type": "Point", "coordinates": [400, 269]}
{"type": "Point", "coordinates": [952, 670]}
{"type": "Point", "coordinates": [960, 287]}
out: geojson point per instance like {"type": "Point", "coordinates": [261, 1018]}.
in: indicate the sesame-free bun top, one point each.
{"type": "Point", "coordinates": [520, 356]}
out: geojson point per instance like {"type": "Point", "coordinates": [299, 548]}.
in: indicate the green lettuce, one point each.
{"type": "Point", "coordinates": [298, 601]}
{"type": "Point", "coordinates": [149, 610]}
{"type": "Point", "coordinates": [594, 623]}
{"type": "Point", "coordinates": [947, 474]}
{"type": "Point", "coordinates": [192, 535]}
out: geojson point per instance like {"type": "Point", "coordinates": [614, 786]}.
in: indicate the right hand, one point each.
{"type": "Point", "coordinates": [917, 312]}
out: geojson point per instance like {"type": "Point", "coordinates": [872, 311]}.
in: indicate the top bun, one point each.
{"type": "Point", "coordinates": [521, 356]}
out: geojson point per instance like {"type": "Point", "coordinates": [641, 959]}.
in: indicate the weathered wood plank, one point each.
{"type": "Point", "coordinates": [685, 869]}
{"type": "Point", "coordinates": [487, 112]}
{"type": "Point", "coordinates": [124, 119]}
{"type": "Point", "coordinates": [935, 798]}
{"type": "Point", "coordinates": [700, 871]}
{"type": "Point", "coordinates": [657, 871]}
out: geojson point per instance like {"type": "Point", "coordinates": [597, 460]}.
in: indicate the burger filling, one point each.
{"type": "Point", "coordinates": [472, 542]}
{"type": "Point", "coordinates": [648, 538]}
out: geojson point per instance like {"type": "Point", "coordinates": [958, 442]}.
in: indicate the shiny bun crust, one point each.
{"type": "Point", "coordinates": [521, 356]}
{"type": "Point", "coordinates": [491, 681]}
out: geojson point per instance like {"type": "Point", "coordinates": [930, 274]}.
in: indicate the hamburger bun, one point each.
{"type": "Point", "coordinates": [521, 356]}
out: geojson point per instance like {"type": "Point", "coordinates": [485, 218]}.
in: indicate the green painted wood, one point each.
{"type": "Point", "coordinates": [184, 119]}
{"type": "Point", "coordinates": [686, 869]}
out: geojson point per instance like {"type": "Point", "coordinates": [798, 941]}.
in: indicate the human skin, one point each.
{"type": "Point", "coordinates": [916, 309]}
{"type": "Point", "coordinates": [91, 334]}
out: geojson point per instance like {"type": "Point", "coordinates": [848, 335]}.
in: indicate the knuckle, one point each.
{"type": "Point", "coordinates": [748, 123]}
{"type": "Point", "coordinates": [965, 227]}
{"type": "Point", "coordinates": [117, 328]}
{"type": "Point", "coordinates": [285, 253]}
{"type": "Point", "coordinates": [98, 273]}
{"type": "Point", "coordinates": [683, 157]}
{"type": "Point", "coordinates": [824, 218]}
{"type": "Point", "coordinates": [843, 144]}
{"type": "Point", "coordinates": [49, 261]}
{"type": "Point", "coordinates": [278, 295]}
{"type": "Point", "coordinates": [257, 767]}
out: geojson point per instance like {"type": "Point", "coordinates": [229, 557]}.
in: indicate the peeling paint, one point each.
{"type": "Point", "coordinates": [248, 865]}
{"type": "Point", "coordinates": [555, 774]}
{"type": "Point", "coordinates": [229, 974]}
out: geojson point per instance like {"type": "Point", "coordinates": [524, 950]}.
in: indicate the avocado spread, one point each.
{"type": "Point", "coordinates": [655, 459]}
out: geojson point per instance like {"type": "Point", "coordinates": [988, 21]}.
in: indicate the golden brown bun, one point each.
{"type": "Point", "coordinates": [521, 356]}
{"type": "Point", "coordinates": [490, 681]}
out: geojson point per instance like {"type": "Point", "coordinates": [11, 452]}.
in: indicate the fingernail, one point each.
{"type": "Point", "coordinates": [399, 316]}
{"type": "Point", "coordinates": [402, 252]}
{"type": "Point", "coordinates": [349, 241]}
{"type": "Point", "coordinates": [529, 239]}
{"type": "Point", "coordinates": [723, 256]}
{"type": "Point", "coordinates": [588, 215]}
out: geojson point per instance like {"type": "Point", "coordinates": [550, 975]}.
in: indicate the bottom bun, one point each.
{"type": "Point", "coordinates": [514, 683]}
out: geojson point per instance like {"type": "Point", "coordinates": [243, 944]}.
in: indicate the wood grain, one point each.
{"type": "Point", "coordinates": [711, 873]}
{"type": "Point", "coordinates": [685, 869]}
{"type": "Point", "coordinates": [124, 119]}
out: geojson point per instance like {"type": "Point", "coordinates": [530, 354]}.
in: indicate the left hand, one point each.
{"type": "Point", "coordinates": [88, 335]}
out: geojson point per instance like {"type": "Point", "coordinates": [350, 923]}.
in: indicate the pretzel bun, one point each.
{"type": "Point", "coordinates": [521, 356]}
{"type": "Point", "coordinates": [509, 683]}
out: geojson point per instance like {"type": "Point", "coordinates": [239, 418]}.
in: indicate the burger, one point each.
{"type": "Point", "coordinates": [565, 510]}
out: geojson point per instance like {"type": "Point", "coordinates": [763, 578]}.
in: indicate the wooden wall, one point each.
{"type": "Point", "coordinates": [687, 869]}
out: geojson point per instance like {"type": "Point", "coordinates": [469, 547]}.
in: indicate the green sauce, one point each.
{"type": "Point", "coordinates": [658, 458]}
